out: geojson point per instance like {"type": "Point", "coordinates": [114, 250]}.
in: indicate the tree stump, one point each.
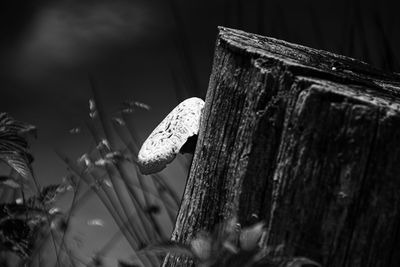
{"type": "Point", "coordinates": [307, 140]}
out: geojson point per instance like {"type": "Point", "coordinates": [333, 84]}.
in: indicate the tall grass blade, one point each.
{"type": "Point", "coordinates": [120, 191]}
{"type": "Point", "coordinates": [111, 208]}
{"type": "Point", "coordinates": [118, 186]}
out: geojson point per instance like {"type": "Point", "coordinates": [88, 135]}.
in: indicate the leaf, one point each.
{"type": "Point", "coordinates": [229, 246]}
{"type": "Point", "coordinates": [48, 194]}
{"type": "Point", "coordinates": [16, 236]}
{"type": "Point", "coordinates": [129, 106]}
{"type": "Point", "coordinates": [243, 258]}
{"type": "Point", "coordinates": [110, 158]}
{"type": "Point", "coordinates": [169, 247]}
{"type": "Point", "coordinates": [69, 182]}
{"type": "Point", "coordinates": [59, 222]}
{"type": "Point", "coordinates": [300, 261]}
{"type": "Point", "coordinates": [7, 123]}
{"type": "Point", "coordinates": [141, 105]}
{"type": "Point", "coordinates": [202, 246]}
{"type": "Point", "coordinates": [28, 130]}
{"type": "Point", "coordinates": [95, 222]}
{"type": "Point", "coordinates": [86, 162]}
{"type": "Point", "coordinates": [250, 236]}
{"type": "Point", "coordinates": [127, 110]}
{"type": "Point", "coordinates": [104, 144]}
{"type": "Point", "coordinates": [54, 210]}
{"type": "Point", "coordinates": [115, 156]}
{"type": "Point", "coordinates": [17, 161]}
{"type": "Point", "coordinates": [119, 121]}
{"type": "Point", "coordinates": [13, 144]}
{"type": "Point", "coordinates": [14, 210]}
{"type": "Point", "coordinates": [92, 108]}
{"type": "Point", "coordinates": [103, 162]}
{"type": "Point", "coordinates": [76, 130]}
{"type": "Point", "coordinates": [108, 183]}
{"type": "Point", "coordinates": [9, 181]}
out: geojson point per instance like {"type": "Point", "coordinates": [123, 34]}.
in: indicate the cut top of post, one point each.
{"type": "Point", "coordinates": [310, 61]}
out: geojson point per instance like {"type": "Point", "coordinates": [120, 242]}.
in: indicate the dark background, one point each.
{"type": "Point", "coordinates": [153, 51]}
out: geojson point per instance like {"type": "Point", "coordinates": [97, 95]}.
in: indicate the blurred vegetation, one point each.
{"type": "Point", "coordinates": [30, 220]}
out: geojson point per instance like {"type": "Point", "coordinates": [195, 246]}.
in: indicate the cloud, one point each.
{"type": "Point", "coordinates": [71, 33]}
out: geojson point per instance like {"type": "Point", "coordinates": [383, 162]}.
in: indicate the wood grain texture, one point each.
{"type": "Point", "coordinates": [307, 140]}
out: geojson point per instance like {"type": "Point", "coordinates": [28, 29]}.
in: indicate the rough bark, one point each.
{"type": "Point", "coordinates": [307, 140]}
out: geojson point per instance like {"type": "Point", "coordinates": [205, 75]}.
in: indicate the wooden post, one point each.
{"type": "Point", "coordinates": [307, 140]}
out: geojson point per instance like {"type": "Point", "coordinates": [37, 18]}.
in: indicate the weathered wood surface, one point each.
{"type": "Point", "coordinates": [307, 140]}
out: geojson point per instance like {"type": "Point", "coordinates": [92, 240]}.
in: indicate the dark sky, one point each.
{"type": "Point", "coordinates": [136, 49]}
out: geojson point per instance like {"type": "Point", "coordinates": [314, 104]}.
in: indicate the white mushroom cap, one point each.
{"type": "Point", "coordinates": [165, 142]}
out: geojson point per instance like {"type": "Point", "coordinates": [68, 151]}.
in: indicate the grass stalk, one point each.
{"type": "Point", "coordinates": [134, 151]}
{"type": "Point", "coordinates": [162, 181]}
{"type": "Point", "coordinates": [70, 211]}
{"type": "Point", "coordinates": [171, 214]}
{"type": "Point", "coordinates": [106, 202]}
{"type": "Point", "coordinates": [37, 186]}
{"type": "Point", "coordinates": [120, 189]}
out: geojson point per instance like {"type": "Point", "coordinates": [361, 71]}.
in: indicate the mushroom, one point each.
{"type": "Point", "coordinates": [176, 133]}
